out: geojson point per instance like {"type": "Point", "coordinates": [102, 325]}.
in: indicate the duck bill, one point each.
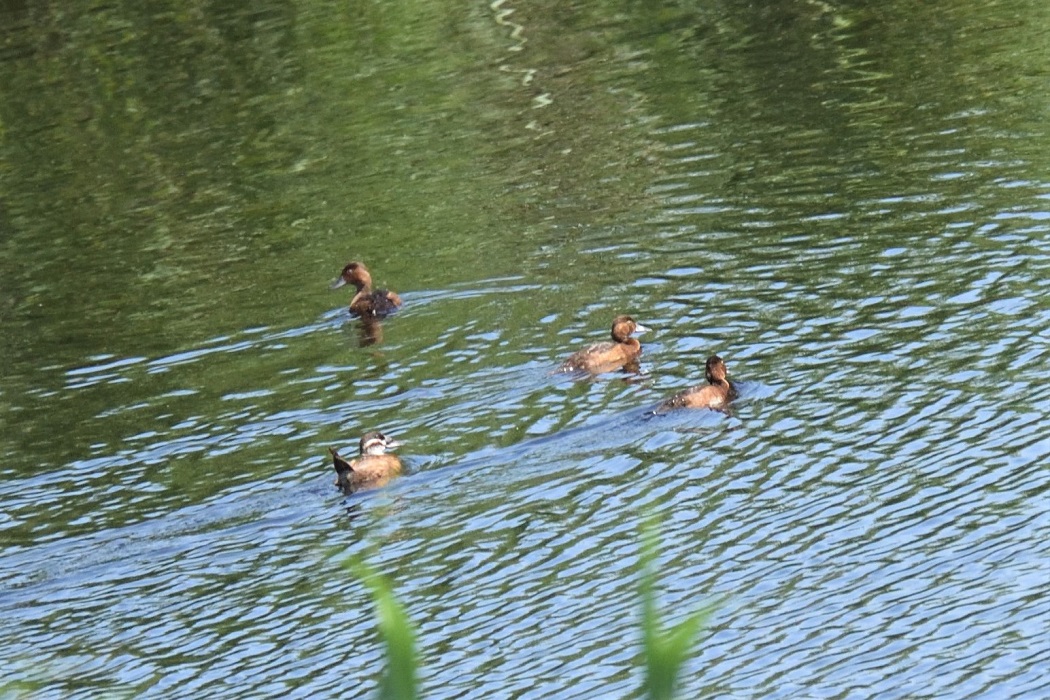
{"type": "Point", "coordinates": [639, 329]}
{"type": "Point", "coordinates": [337, 283]}
{"type": "Point", "coordinates": [392, 444]}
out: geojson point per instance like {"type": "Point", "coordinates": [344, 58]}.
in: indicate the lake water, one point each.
{"type": "Point", "coordinates": [851, 205]}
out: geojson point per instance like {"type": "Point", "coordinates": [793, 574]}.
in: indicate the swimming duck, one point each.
{"type": "Point", "coordinates": [608, 357]}
{"type": "Point", "coordinates": [366, 303]}
{"type": "Point", "coordinates": [716, 394]}
{"type": "Point", "coordinates": [372, 468]}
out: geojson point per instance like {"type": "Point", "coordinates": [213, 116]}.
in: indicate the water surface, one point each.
{"type": "Point", "coordinates": [849, 204]}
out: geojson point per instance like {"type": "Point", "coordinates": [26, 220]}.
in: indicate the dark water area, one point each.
{"type": "Point", "coordinates": [848, 202]}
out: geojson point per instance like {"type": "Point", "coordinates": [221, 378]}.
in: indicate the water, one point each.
{"type": "Point", "coordinates": [850, 208]}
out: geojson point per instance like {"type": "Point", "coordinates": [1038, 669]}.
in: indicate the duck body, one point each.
{"type": "Point", "coordinates": [622, 352]}
{"type": "Point", "coordinates": [373, 468]}
{"type": "Point", "coordinates": [716, 394]}
{"type": "Point", "coordinates": [367, 303]}
{"type": "Point", "coordinates": [376, 304]}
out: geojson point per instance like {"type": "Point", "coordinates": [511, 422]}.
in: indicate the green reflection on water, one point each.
{"type": "Point", "coordinates": [174, 176]}
{"type": "Point", "coordinates": [202, 167]}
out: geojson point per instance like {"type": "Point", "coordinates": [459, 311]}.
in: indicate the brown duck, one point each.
{"type": "Point", "coordinates": [623, 351]}
{"type": "Point", "coordinates": [367, 303]}
{"type": "Point", "coordinates": [372, 468]}
{"type": "Point", "coordinates": [716, 394]}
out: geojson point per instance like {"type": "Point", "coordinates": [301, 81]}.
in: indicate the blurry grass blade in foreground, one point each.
{"type": "Point", "coordinates": [665, 652]}
{"type": "Point", "coordinates": [399, 681]}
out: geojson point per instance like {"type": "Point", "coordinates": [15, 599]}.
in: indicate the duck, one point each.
{"type": "Point", "coordinates": [367, 303]}
{"type": "Point", "coordinates": [716, 394]}
{"type": "Point", "coordinates": [373, 467]}
{"type": "Point", "coordinates": [622, 352]}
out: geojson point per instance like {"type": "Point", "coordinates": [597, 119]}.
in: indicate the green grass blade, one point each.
{"type": "Point", "coordinates": [399, 681]}
{"type": "Point", "coordinates": [665, 652]}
